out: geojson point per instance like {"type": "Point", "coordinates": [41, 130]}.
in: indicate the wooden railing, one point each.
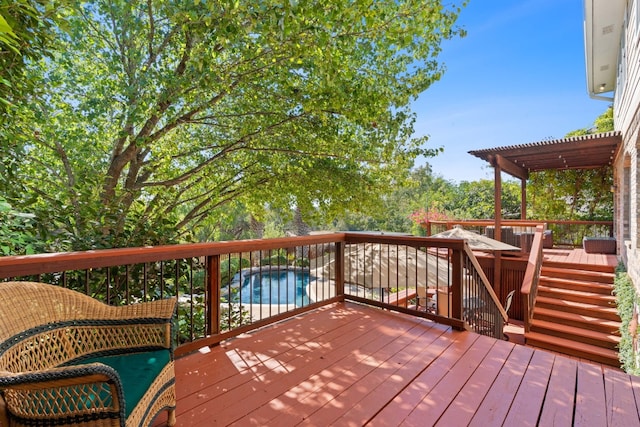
{"type": "Point", "coordinates": [447, 273]}
{"type": "Point", "coordinates": [489, 316]}
{"type": "Point", "coordinates": [563, 233]}
{"type": "Point", "coordinates": [529, 288]}
{"type": "Point", "coordinates": [207, 278]}
{"type": "Point", "coordinates": [228, 288]}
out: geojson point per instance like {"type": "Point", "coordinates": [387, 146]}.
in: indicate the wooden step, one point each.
{"type": "Point", "coordinates": [580, 267]}
{"type": "Point", "coordinates": [573, 348]}
{"type": "Point", "coordinates": [578, 320]}
{"type": "Point", "coordinates": [577, 285]}
{"type": "Point", "coordinates": [600, 339]}
{"type": "Point", "coordinates": [578, 274]}
{"type": "Point", "coordinates": [577, 296]}
{"type": "Point", "coordinates": [585, 309]}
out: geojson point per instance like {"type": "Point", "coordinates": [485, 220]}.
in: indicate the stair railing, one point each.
{"type": "Point", "coordinates": [483, 312]}
{"type": "Point", "coordinates": [529, 288]}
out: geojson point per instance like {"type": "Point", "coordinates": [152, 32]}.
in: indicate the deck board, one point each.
{"type": "Point", "coordinates": [495, 406]}
{"type": "Point", "coordinates": [621, 409]}
{"type": "Point", "coordinates": [579, 256]}
{"type": "Point", "coordinates": [463, 407]}
{"type": "Point", "coordinates": [590, 407]}
{"type": "Point", "coordinates": [405, 402]}
{"type": "Point", "coordinates": [528, 401]}
{"type": "Point", "coordinates": [371, 376]}
{"type": "Point", "coordinates": [350, 365]}
{"type": "Point", "coordinates": [435, 403]}
{"type": "Point", "coordinates": [561, 394]}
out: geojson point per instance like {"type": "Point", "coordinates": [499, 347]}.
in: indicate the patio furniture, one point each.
{"type": "Point", "coordinates": [484, 320]}
{"type": "Point", "coordinates": [507, 303]}
{"type": "Point", "coordinates": [599, 245]}
{"type": "Point", "coordinates": [507, 235]}
{"type": "Point", "coordinates": [425, 299]}
{"type": "Point", "coordinates": [525, 241]}
{"type": "Point", "coordinates": [67, 359]}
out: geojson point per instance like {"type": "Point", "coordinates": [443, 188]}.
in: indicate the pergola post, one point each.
{"type": "Point", "coordinates": [523, 199]}
{"type": "Point", "coordinates": [497, 215]}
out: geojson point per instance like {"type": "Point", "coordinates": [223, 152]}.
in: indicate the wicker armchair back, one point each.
{"type": "Point", "coordinates": [66, 359]}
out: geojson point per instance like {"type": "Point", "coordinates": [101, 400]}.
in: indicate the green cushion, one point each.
{"type": "Point", "coordinates": [137, 371]}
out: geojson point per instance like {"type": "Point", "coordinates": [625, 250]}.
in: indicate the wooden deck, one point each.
{"type": "Point", "coordinates": [349, 365]}
{"type": "Point", "coordinates": [579, 256]}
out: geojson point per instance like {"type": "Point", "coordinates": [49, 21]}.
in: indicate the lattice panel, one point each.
{"type": "Point", "coordinates": [76, 400]}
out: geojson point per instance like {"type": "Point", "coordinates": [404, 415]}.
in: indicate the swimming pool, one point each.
{"type": "Point", "coordinates": [271, 286]}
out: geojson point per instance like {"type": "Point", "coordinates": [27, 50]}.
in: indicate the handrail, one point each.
{"type": "Point", "coordinates": [565, 232]}
{"type": "Point", "coordinates": [486, 283]}
{"type": "Point", "coordinates": [529, 289]}
{"type": "Point", "coordinates": [25, 265]}
{"type": "Point", "coordinates": [529, 222]}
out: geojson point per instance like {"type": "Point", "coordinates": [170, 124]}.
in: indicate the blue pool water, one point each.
{"type": "Point", "coordinates": [272, 287]}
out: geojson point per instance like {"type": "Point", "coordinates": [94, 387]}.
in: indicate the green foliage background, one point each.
{"type": "Point", "coordinates": [574, 194]}
{"type": "Point", "coordinates": [158, 122]}
{"type": "Point", "coordinates": [154, 122]}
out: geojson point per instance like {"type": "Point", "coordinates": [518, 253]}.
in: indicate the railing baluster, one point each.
{"type": "Point", "coordinates": [145, 283]}
{"type": "Point", "coordinates": [212, 293]}
{"type": "Point", "coordinates": [339, 269]}
{"type": "Point", "coordinates": [126, 282]}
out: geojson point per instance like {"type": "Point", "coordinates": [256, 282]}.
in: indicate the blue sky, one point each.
{"type": "Point", "coordinates": [517, 77]}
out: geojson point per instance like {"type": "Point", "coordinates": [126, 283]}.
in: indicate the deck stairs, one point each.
{"type": "Point", "coordinates": [575, 313]}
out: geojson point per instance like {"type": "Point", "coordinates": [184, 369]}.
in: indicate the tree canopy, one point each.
{"type": "Point", "coordinates": [152, 117]}
{"type": "Point", "coordinates": [576, 194]}
{"type": "Point", "coordinates": [27, 29]}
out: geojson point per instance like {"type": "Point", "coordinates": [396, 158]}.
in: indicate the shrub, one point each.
{"type": "Point", "coordinates": [274, 260]}
{"type": "Point", "coordinates": [301, 262]}
{"type": "Point", "coordinates": [229, 268]}
{"type": "Point", "coordinates": [626, 299]}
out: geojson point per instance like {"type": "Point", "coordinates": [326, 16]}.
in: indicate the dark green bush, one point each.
{"type": "Point", "coordinates": [274, 260]}
{"type": "Point", "coordinates": [302, 262]}
{"type": "Point", "coordinates": [626, 298]}
{"type": "Point", "coordinates": [229, 267]}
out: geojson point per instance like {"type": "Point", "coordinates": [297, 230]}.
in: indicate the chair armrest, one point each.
{"type": "Point", "coordinates": [138, 326]}
{"type": "Point", "coordinates": [85, 392]}
{"type": "Point", "coordinates": [161, 309]}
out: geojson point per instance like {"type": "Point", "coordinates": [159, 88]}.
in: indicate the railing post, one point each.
{"type": "Point", "coordinates": [529, 288]}
{"type": "Point", "coordinates": [339, 270]}
{"type": "Point", "coordinates": [456, 281]}
{"type": "Point", "coordinates": [213, 291]}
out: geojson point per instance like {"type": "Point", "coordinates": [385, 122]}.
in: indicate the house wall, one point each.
{"type": "Point", "coordinates": [627, 121]}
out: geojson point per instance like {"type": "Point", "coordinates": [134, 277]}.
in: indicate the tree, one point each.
{"type": "Point", "coordinates": [574, 194]}
{"type": "Point", "coordinates": [27, 29]}
{"type": "Point", "coordinates": [158, 114]}
{"type": "Point", "coordinates": [17, 236]}
{"type": "Point", "coordinates": [476, 200]}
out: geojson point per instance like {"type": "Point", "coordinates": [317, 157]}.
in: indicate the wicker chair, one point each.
{"type": "Point", "coordinates": [68, 360]}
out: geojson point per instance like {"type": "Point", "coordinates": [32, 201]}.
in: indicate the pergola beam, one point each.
{"type": "Point", "coordinates": [496, 160]}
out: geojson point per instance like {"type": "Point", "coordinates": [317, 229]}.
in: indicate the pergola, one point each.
{"type": "Point", "coordinates": [578, 152]}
